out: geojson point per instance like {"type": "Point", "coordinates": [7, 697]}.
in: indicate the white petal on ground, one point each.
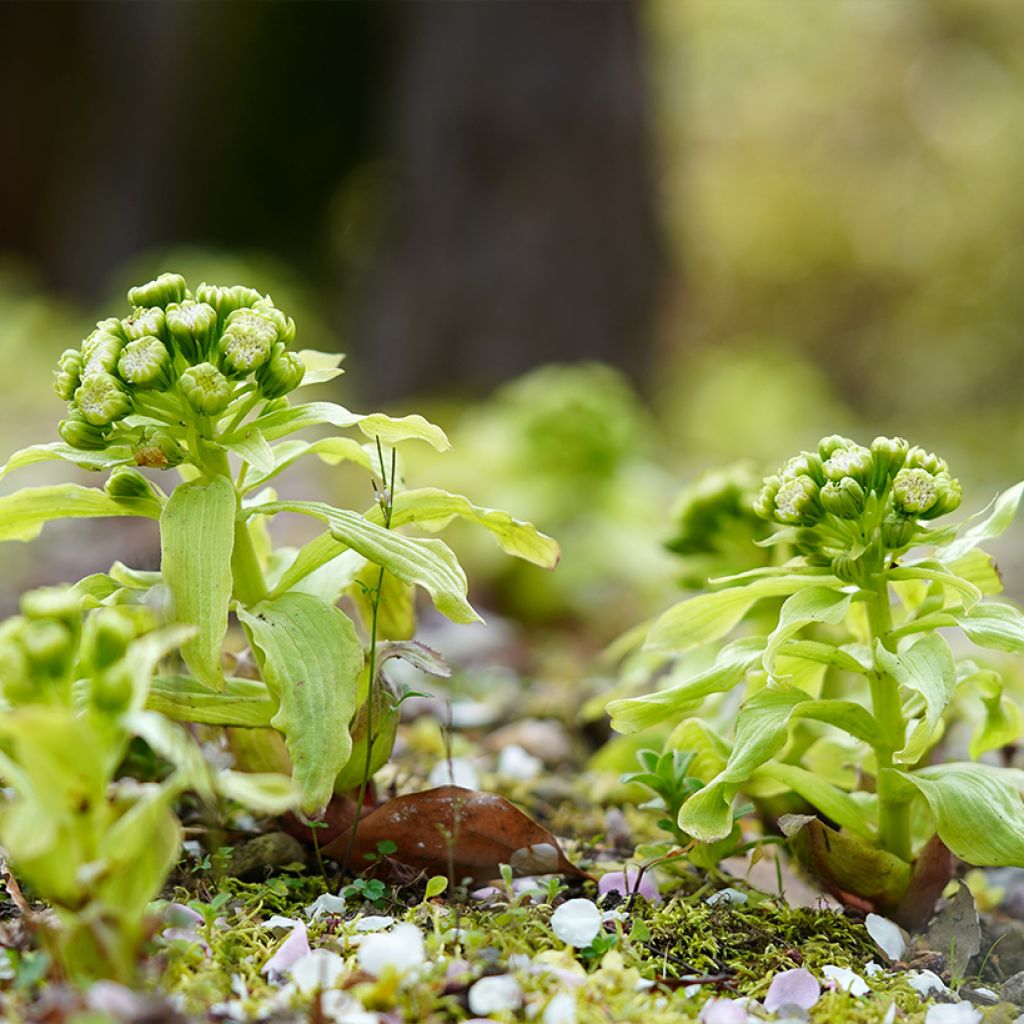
{"type": "Point", "coordinates": [279, 925]}
{"type": "Point", "coordinates": [374, 923]}
{"type": "Point", "coordinates": [108, 997]}
{"type": "Point", "coordinates": [293, 948]}
{"type": "Point", "coordinates": [796, 987]}
{"type": "Point", "coordinates": [888, 936]}
{"type": "Point", "coordinates": [847, 980]}
{"type": "Point", "coordinates": [462, 773]}
{"type": "Point", "coordinates": [890, 1014]}
{"type": "Point", "coordinates": [729, 896]}
{"type": "Point", "coordinates": [401, 949]}
{"type": "Point", "coordinates": [871, 969]}
{"type": "Point", "coordinates": [952, 1013]}
{"type": "Point", "coordinates": [723, 1011]}
{"type": "Point", "coordinates": [343, 1008]}
{"type": "Point", "coordinates": [577, 922]}
{"type": "Point", "coordinates": [925, 982]}
{"type": "Point", "coordinates": [515, 763]}
{"type": "Point", "coordinates": [561, 1010]}
{"type": "Point", "coordinates": [325, 904]}
{"type": "Point", "coordinates": [495, 994]}
{"type": "Point", "coordinates": [317, 969]}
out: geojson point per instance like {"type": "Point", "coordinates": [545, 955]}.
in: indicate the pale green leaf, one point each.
{"type": "Point", "coordinates": [732, 664]}
{"type": "Point", "coordinates": [833, 802]}
{"type": "Point", "coordinates": [936, 572]}
{"type": "Point", "coordinates": [249, 444]}
{"type": "Point", "coordinates": [709, 617]}
{"type": "Point", "coordinates": [431, 509]}
{"type": "Point", "coordinates": [390, 430]}
{"type": "Point", "coordinates": [995, 625]}
{"type": "Point", "coordinates": [331, 450]}
{"type": "Point", "coordinates": [311, 659]}
{"type": "Point", "coordinates": [24, 513]}
{"type": "Point", "coordinates": [244, 702]}
{"type": "Point", "coordinates": [977, 810]}
{"type": "Point", "coordinates": [176, 746]}
{"type": "Point", "coordinates": [197, 535]}
{"type": "Point", "coordinates": [825, 654]}
{"type": "Point", "coordinates": [812, 605]}
{"type": "Point", "coordinates": [320, 366]}
{"type": "Point", "coordinates": [263, 792]}
{"type": "Point", "coordinates": [990, 522]}
{"type": "Point", "coordinates": [425, 658]}
{"type": "Point", "coordinates": [430, 564]}
{"type": "Point", "coordinates": [1003, 722]}
{"type": "Point", "coordinates": [927, 668]}
{"type": "Point", "coordinates": [106, 458]}
{"type": "Point", "coordinates": [979, 567]}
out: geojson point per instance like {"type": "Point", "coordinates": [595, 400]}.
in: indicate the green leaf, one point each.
{"type": "Point", "coordinates": [927, 668]}
{"type": "Point", "coordinates": [995, 625]}
{"type": "Point", "coordinates": [390, 430]}
{"type": "Point", "coordinates": [815, 604]}
{"type": "Point", "coordinates": [435, 886]}
{"type": "Point", "coordinates": [427, 563]}
{"type": "Point", "coordinates": [264, 792]}
{"type": "Point", "coordinates": [843, 714]}
{"type": "Point", "coordinates": [197, 536]}
{"type": "Point", "coordinates": [833, 802]}
{"type": "Point", "coordinates": [331, 450]}
{"type": "Point", "coordinates": [249, 444]}
{"type": "Point", "coordinates": [311, 659]}
{"type": "Point", "coordinates": [107, 458]}
{"type": "Point", "coordinates": [425, 658]}
{"type": "Point", "coordinates": [244, 702]}
{"type": "Point", "coordinates": [431, 509]}
{"type": "Point", "coordinates": [730, 667]}
{"type": "Point", "coordinates": [977, 810]}
{"type": "Point", "coordinates": [24, 513]}
{"type": "Point", "coordinates": [175, 745]}
{"type": "Point", "coordinates": [320, 366]}
{"type": "Point", "coordinates": [979, 567]}
{"type": "Point", "coordinates": [989, 523]}
{"type": "Point", "coordinates": [708, 617]}
{"type": "Point", "coordinates": [1003, 719]}
{"type": "Point", "coordinates": [145, 653]}
{"type": "Point", "coordinates": [936, 572]}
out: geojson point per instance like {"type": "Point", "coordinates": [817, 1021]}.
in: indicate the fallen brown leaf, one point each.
{"type": "Point", "coordinates": [456, 832]}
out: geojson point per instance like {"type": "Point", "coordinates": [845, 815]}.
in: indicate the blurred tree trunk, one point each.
{"type": "Point", "coordinates": [523, 228]}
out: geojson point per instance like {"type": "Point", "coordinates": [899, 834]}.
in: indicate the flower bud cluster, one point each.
{"type": "Point", "coordinates": [864, 495]}
{"type": "Point", "coordinates": [197, 349]}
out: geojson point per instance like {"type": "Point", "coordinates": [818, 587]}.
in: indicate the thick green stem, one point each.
{"type": "Point", "coordinates": [893, 814]}
{"type": "Point", "coordinates": [250, 587]}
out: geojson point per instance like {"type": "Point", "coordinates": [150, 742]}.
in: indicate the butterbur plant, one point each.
{"type": "Point", "coordinates": [74, 684]}
{"type": "Point", "coordinates": [844, 700]}
{"type": "Point", "coordinates": [200, 382]}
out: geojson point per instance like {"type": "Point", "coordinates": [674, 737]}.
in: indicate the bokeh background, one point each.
{"type": "Point", "coordinates": [766, 220]}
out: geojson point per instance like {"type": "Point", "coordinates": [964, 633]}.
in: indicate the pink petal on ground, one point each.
{"type": "Point", "coordinates": [624, 882]}
{"type": "Point", "coordinates": [797, 987]}
{"type": "Point", "coordinates": [293, 947]}
{"type": "Point", "coordinates": [724, 1011]}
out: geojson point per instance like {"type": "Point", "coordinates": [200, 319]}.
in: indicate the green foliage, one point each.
{"type": "Point", "coordinates": [842, 660]}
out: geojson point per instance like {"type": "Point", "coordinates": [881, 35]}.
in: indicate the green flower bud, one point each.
{"type": "Point", "coordinates": [144, 323]}
{"type": "Point", "coordinates": [111, 689]}
{"type": "Point", "coordinates": [165, 289]}
{"type": "Point", "coordinates": [102, 399]}
{"type": "Point", "coordinates": [226, 300]}
{"type": "Point", "coordinates": [49, 646]}
{"type": "Point", "coordinates": [896, 531]}
{"type": "Point", "coordinates": [111, 326]}
{"type": "Point", "coordinates": [191, 327]}
{"type": "Point", "coordinates": [889, 454]}
{"type": "Point", "coordinates": [100, 352]}
{"type": "Point", "coordinates": [854, 461]}
{"type": "Point", "coordinates": [843, 498]}
{"type": "Point", "coordinates": [105, 638]}
{"type": "Point", "coordinates": [68, 374]}
{"type": "Point", "coordinates": [16, 679]}
{"type": "Point", "coordinates": [127, 482]}
{"type": "Point", "coordinates": [282, 373]}
{"type": "Point", "coordinates": [285, 324]}
{"type": "Point", "coordinates": [246, 342]}
{"type": "Point", "coordinates": [79, 433]}
{"type": "Point", "coordinates": [914, 492]}
{"type": "Point", "coordinates": [146, 363]}
{"type": "Point", "coordinates": [797, 501]}
{"type": "Point", "coordinates": [158, 449]}
{"type": "Point", "coordinates": [827, 446]}
{"type": "Point", "coordinates": [52, 603]}
{"type": "Point", "coordinates": [918, 458]}
{"type": "Point", "coordinates": [949, 494]}
{"type": "Point", "coordinates": [764, 503]}
{"type": "Point", "coordinates": [207, 389]}
{"type": "Point", "coordinates": [804, 464]}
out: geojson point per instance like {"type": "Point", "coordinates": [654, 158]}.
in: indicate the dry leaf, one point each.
{"type": "Point", "coordinates": [457, 831]}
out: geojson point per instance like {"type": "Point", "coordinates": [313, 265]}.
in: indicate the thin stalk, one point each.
{"type": "Point", "coordinates": [893, 814]}
{"type": "Point", "coordinates": [385, 500]}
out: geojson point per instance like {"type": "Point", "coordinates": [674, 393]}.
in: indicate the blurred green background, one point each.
{"type": "Point", "coordinates": [770, 220]}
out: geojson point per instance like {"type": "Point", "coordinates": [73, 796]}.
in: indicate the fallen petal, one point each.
{"type": "Point", "coordinates": [319, 969]}
{"type": "Point", "coordinates": [625, 882]}
{"type": "Point", "coordinates": [723, 1011]}
{"type": "Point", "coordinates": [888, 936]}
{"type": "Point", "coordinates": [515, 763]}
{"type": "Point", "coordinates": [846, 980]}
{"type": "Point", "coordinates": [952, 1013]}
{"type": "Point", "coordinates": [561, 1010]}
{"type": "Point", "coordinates": [325, 904]}
{"type": "Point", "coordinates": [796, 987]}
{"type": "Point", "coordinates": [494, 994]}
{"type": "Point", "coordinates": [401, 949]}
{"type": "Point", "coordinates": [577, 922]}
{"type": "Point", "coordinates": [374, 923]}
{"type": "Point", "coordinates": [293, 948]}
{"type": "Point", "coordinates": [728, 896]}
{"type": "Point", "coordinates": [925, 982]}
